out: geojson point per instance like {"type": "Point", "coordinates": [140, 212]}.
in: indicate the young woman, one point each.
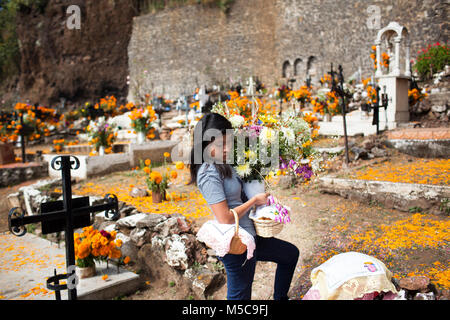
{"type": "Point", "coordinates": [222, 189]}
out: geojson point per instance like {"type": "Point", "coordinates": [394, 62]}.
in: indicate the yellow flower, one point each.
{"type": "Point", "coordinates": [166, 154]}
{"type": "Point", "coordinates": [104, 277]}
{"type": "Point", "coordinates": [147, 162]}
{"type": "Point", "coordinates": [179, 165]}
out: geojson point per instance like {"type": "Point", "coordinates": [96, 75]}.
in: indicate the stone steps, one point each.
{"type": "Point", "coordinates": [421, 142]}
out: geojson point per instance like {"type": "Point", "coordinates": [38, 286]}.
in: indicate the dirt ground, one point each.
{"type": "Point", "coordinates": [322, 225]}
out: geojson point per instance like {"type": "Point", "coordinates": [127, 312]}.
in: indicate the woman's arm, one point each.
{"type": "Point", "coordinates": [224, 215]}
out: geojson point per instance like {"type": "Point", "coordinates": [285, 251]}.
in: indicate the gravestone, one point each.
{"type": "Point", "coordinates": [7, 153]}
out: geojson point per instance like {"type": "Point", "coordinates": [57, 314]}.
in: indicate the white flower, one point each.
{"type": "Point", "coordinates": [237, 121]}
{"type": "Point", "coordinates": [244, 170]}
{"type": "Point", "coordinates": [289, 135]}
{"type": "Point", "coordinates": [268, 136]}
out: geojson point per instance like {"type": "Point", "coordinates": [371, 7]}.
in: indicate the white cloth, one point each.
{"type": "Point", "coordinates": [218, 237]}
{"type": "Point", "coordinates": [344, 267]}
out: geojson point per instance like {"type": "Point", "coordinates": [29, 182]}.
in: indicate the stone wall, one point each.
{"type": "Point", "coordinates": [182, 48]}
{"type": "Point", "coordinates": [14, 174]}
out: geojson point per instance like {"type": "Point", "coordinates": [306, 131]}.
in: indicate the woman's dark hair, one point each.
{"type": "Point", "coordinates": [209, 121]}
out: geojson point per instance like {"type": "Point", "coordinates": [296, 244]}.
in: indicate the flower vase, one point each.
{"type": "Point", "coordinates": [141, 137]}
{"type": "Point", "coordinates": [86, 272]}
{"type": "Point", "coordinates": [158, 196]}
{"type": "Point", "coordinates": [101, 151]}
{"type": "Point", "coordinates": [252, 188]}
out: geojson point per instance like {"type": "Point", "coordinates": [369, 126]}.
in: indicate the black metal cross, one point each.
{"type": "Point", "coordinates": [340, 91]}
{"type": "Point", "coordinates": [65, 215]}
{"type": "Point", "coordinates": [376, 107]}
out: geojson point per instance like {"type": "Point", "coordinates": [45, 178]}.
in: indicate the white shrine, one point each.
{"type": "Point", "coordinates": [393, 81]}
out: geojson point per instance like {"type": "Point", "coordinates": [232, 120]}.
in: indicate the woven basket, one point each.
{"type": "Point", "coordinates": [236, 245]}
{"type": "Point", "coordinates": [267, 228]}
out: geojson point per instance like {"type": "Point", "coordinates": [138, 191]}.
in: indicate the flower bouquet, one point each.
{"type": "Point", "coordinates": [266, 144]}
{"type": "Point", "coordinates": [302, 95]}
{"type": "Point", "coordinates": [94, 245]}
{"type": "Point", "coordinates": [142, 120]}
{"type": "Point", "coordinates": [283, 93]}
{"type": "Point", "coordinates": [326, 104]}
{"type": "Point", "coordinates": [158, 182]}
{"type": "Point", "coordinates": [102, 135]}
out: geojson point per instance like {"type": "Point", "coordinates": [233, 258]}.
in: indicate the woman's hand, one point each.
{"type": "Point", "coordinates": [261, 199]}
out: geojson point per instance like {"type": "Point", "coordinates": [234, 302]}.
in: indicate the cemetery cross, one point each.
{"type": "Point", "coordinates": [65, 215]}
{"type": "Point", "coordinates": [339, 89]}
{"type": "Point", "coordinates": [376, 106]}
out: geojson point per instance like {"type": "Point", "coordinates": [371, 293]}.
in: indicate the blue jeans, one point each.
{"type": "Point", "coordinates": [240, 271]}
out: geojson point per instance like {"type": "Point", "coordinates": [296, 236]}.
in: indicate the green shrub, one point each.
{"type": "Point", "coordinates": [431, 60]}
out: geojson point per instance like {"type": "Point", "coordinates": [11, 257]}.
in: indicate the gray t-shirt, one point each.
{"type": "Point", "coordinates": [215, 189]}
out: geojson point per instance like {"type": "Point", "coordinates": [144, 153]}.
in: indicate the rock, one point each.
{"type": "Point", "coordinates": [335, 150]}
{"type": "Point", "coordinates": [126, 210]}
{"type": "Point", "coordinates": [105, 225]}
{"type": "Point", "coordinates": [167, 227]}
{"type": "Point", "coordinates": [423, 106]}
{"type": "Point", "coordinates": [151, 263]}
{"type": "Point", "coordinates": [444, 295]}
{"type": "Point", "coordinates": [368, 144]}
{"type": "Point", "coordinates": [359, 153]}
{"type": "Point", "coordinates": [110, 227]}
{"type": "Point", "coordinates": [378, 153]}
{"type": "Point", "coordinates": [211, 253]}
{"type": "Point", "coordinates": [439, 108]}
{"type": "Point", "coordinates": [424, 296]}
{"type": "Point", "coordinates": [33, 199]}
{"type": "Point", "coordinates": [131, 221]}
{"type": "Point", "coordinates": [435, 90]}
{"type": "Point", "coordinates": [176, 256]}
{"type": "Point", "coordinates": [128, 247]}
{"type": "Point", "coordinates": [415, 283]}
{"type": "Point", "coordinates": [431, 115]}
{"type": "Point", "coordinates": [195, 250]}
{"type": "Point", "coordinates": [401, 295]}
{"type": "Point", "coordinates": [183, 225]}
{"type": "Point", "coordinates": [14, 200]}
{"type": "Point", "coordinates": [207, 282]}
{"type": "Point", "coordinates": [138, 192]}
{"type": "Point", "coordinates": [139, 236]}
{"type": "Point", "coordinates": [150, 221]}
